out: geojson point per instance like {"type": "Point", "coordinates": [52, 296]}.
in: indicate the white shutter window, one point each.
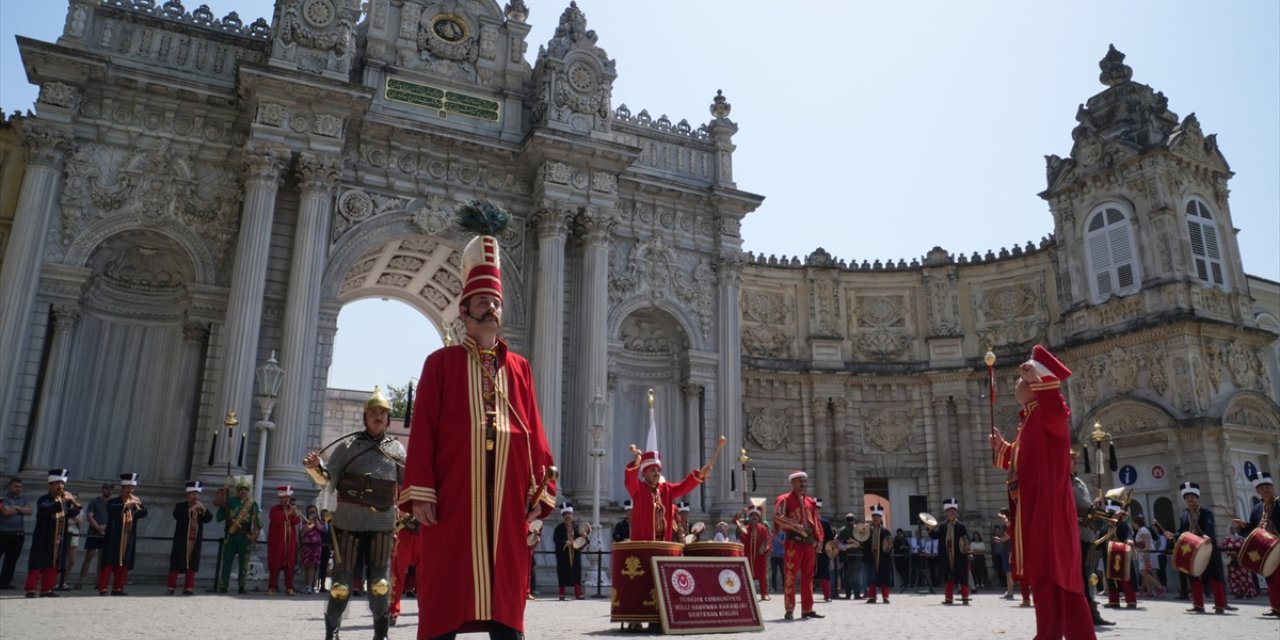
{"type": "Point", "coordinates": [1109, 242]}
{"type": "Point", "coordinates": [1206, 255]}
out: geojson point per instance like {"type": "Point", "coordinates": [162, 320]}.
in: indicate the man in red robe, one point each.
{"type": "Point", "coordinates": [653, 515]}
{"type": "Point", "coordinates": [1041, 496]}
{"type": "Point", "coordinates": [756, 541]}
{"type": "Point", "coordinates": [477, 469]}
{"type": "Point", "coordinates": [282, 541]}
{"type": "Point", "coordinates": [797, 514]}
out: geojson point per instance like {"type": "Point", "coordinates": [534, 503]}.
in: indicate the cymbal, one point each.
{"type": "Point", "coordinates": [861, 532]}
{"type": "Point", "coordinates": [928, 520]}
{"type": "Point", "coordinates": [832, 548]}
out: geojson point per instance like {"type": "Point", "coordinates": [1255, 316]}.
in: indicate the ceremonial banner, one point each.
{"type": "Point", "coordinates": [705, 595]}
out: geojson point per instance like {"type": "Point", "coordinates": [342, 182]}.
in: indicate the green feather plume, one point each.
{"type": "Point", "coordinates": [482, 218]}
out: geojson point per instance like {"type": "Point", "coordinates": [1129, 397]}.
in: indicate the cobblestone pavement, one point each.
{"type": "Point", "coordinates": [147, 613]}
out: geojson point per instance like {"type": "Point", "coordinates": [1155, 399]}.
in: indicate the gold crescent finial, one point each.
{"type": "Point", "coordinates": [990, 358]}
{"type": "Point", "coordinates": [231, 421]}
{"type": "Point", "coordinates": [650, 397]}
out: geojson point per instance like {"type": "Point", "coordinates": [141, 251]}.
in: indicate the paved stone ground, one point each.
{"type": "Point", "coordinates": [147, 613]}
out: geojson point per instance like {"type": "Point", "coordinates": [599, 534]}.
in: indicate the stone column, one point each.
{"type": "Point", "coordinates": [547, 354]}
{"type": "Point", "coordinates": [263, 164]}
{"type": "Point", "coordinates": [729, 369]}
{"type": "Point", "coordinates": [49, 413]}
{"type": "Point", "coordinates": [936, 417]}
{"type": "Point", "coordinates": [692, 392]}
{"type": "Point", "coordinates": [591, 352]}
{"type": "Point", "coordinates": [317, 174]}
{"type": "Point", "coordinates": [841, 450]}
{"type": "Point", "coordinates": [20, 274]}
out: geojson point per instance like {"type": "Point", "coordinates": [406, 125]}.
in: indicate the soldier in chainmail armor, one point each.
{"type": "Point", "coordinates": [367, 467]}
{"type": "Point", "coordinates": [1088, 538]}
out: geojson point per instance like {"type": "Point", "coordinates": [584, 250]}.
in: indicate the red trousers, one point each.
{"type": "Point", "coordinates": [188, 583]}
{"type": "Point", "coordinates": [1219, 593]}
{"type": "Point", "coordinates": [1273, 591]}
{"type": "Point", "coordinates": [800, 557]}
{"type": "Point", "coordinates": [47, 577]}
{"type": "Point", "coordinates": [120, 573]}
{"type": "Point", "coordinates": [759, 571]}
{"type": "Point", "coordinates": [964, 590]}
{"type": "Point", "coordinates": [1113, 592]}
{"type": "Point", "coordinates": [1061, 613]}
{"type": "Point", "coordinates": [404, 556]}
{"type": "Point", "coordinates": [287, 568]}
{"type": "Point", "coordinates": [871, 593]}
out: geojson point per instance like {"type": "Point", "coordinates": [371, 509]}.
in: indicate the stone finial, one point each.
{"type": "Point", "coordinates": [516, 11]}
{"type": "Point", "coordinates": [1114, 70]}
{"type": "Point", "coordinates": [720, 106]}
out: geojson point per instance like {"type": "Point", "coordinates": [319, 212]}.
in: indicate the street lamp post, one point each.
{"type": "Point", "coordinates": [269, 377]}
{"type": "Point", "coordinates": [598, 410]}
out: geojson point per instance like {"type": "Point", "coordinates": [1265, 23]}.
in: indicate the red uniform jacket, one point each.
{"type": "Point", "coordinates": [1041, 498]}
{"type": "Point", "coordinates": [474, 563]}
{"type": "Point", "coordinates": [646, 500]}
{"type": "Point", "coordinates": [798, 508]}
{"type": "Point", "coordinates": [756, 541]}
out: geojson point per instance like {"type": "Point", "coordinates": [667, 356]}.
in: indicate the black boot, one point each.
{"type": "Point", "coordinates": [380, 625]}
{"type": "Point", "coordinates": [333, 617]}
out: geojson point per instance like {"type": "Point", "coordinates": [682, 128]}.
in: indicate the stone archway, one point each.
{"type": "Point", "coordinates": [129, 346]}
{"type": "Point", "coordinates": [651, 351]}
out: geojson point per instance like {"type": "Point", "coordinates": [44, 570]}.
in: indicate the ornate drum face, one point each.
{"type": "Point", "coordinates": [1119, 561]}
{"type": "Point", "coordinates": [1191, 554]}
{"type": "Point", "coordinates": [579, 543]}
{"type": "Point", "coordinates": [1260, 552]}
{"type": "Point", "coordinates": [634, 598]}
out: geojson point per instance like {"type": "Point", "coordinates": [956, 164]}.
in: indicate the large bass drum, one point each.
{"type": "Point", "coordinates": [1192, 553]}
{"type": "Point", "coordinates": [1120, 561]}
{"type": "Point", "coordinates": [714, 549]}
{"type": "Point", "coordinates": [1260, 552]}
{"type": "Point", "coordinates": [634, 596]}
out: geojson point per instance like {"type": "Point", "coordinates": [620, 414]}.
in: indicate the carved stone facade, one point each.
{"type": "Point", "coordinates": [193, 193]}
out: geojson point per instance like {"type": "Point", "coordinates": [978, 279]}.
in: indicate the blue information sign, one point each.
{"type": "Point", "coordinates": [1249, 469]}
{"type": "Point", "coordinates": [1128, 475]}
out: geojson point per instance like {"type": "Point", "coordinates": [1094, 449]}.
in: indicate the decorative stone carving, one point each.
{"type": "Point", "coordinates": [646, 336]}
{"type": "Point", "coordinates": [440, 300]}
{"type": "Point", "coordinates": [765, 341]}
{"type": "Point", "coordinates": [655, 269]}
{"type": "Point", "coordinates": [574, 77]}
{"type": "Point", "coordinates": [316, 35]}
{"type": "Point", "coordinates": [449, 281]}
{"type": "Point", "coordinates": [150, 187]}
{"type": "Point", "coordinates": [878, 327]}
{"type": "Point", "coordinates": [432, 217]}
{"type": "Point", "coordinates": [1252, 417]}
{"type": "Point", "coordinates": [327, 126]}
{"type": "Point", "coordinates": [943, 300]}
{"type": "Point", "coordinates": [825, 320]}
{"type": "Point", "coordinates": [1011, 315]}
{"type": "Point", "coordinates": [405, 263]}
{"type": "Point", "coordinates": [58, 94]}
{"type": "Point", "coordinates": [45, 145]}
{"type": "Point", "coordinates": [768, 428]}
{"type": "Point", "coordinates": [890, 430]}
{"type": "Point", "coordinates": [318, 171]}
{"type": "Point", "coordinates": [356, 206]}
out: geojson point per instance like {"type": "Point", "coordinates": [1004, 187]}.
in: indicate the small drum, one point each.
{"type": "Point", "coordinates": [579, 543]}
{"type": "Point", "coordinates": [535, 529]}
{"type": "Point", "coordinates": [714, 549]}
{"type": "Point", "coordinates": [1260, 552]}
{"type": "Point", "coordinates": [1120, 561]}
{"type": "Point", "coordinates": [695, 532]}
{"type": "Point", "coordinates": [634, 597]}
{"type": "Point", "coordinates": [1192, 553]}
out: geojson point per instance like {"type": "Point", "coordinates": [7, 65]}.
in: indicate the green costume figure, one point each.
{"type": "Point", "coordinates": [244, 521]}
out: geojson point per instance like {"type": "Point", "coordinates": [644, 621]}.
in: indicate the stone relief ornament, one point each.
{"type": "Point", "coordinates": [654, 268]}
{"type": "Point", "coordinates": [57, 94]}
{"type": "Point", "coordinates": [574, 77]}
{"type": "Point", "coordinates": [890, 430]}
{"type": "Point", "coordinates": [357, 205]}
{"type": "Point", "coordinates": [152, 186]}
{"type": "Point", "coordinates": [765, 341]}
{"type": "Point", "coordinates": [645, 336]}
{"type": "Point", "coordinates": [316, 35]}
{"type": "Point", "coordinates": [768, 428]}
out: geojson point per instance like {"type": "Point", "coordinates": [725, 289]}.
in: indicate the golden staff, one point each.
{"type": "Point", "coordinates": [990, 359]}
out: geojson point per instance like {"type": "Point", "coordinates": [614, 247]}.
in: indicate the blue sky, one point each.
{"type": "Point", "coordinates": [877, 130]}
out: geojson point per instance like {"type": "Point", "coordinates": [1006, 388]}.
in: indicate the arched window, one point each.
{"type": "Point", "coordinates": [1205, 253]}
{"type": "Point", "coordinates": [1108, 240]}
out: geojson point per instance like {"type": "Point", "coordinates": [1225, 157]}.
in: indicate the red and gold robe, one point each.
{"type": "Point", "coordinates": [1041, 497]}
{"type": "Point", "coordinates": [651, 504]}
{"type": "Point", "coordinates": [475, 562]}
{"type": "Point", "coordinates": [282, 538]}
